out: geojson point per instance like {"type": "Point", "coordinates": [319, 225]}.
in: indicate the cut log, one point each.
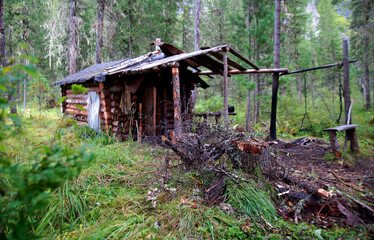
{"type": "Point", "coordinates": [251, 147]}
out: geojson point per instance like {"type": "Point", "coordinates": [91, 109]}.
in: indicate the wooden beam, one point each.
{"type": "Point", "coordinates": [248, 71]}
{"type": "Point", "coordinates": [174, 58]}
{"type": "Point", "coordinates": [235, 53]}
{"type": "Point", "coordinates": [225, 100]}
{"type": "Point", "coordinates": [229, 61]}
{"type": "Point", "coordinates": [177, 103]}
{"type": "Point", "coordinates": [316, 68]}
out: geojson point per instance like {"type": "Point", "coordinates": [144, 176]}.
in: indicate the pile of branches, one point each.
{"type": "Point", "coordinates": [213, 151]}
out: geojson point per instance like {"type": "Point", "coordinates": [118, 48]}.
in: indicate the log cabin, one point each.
{"type": "Point", "coordinates": [142, 96]}
{"type": "Point", "coordinates": [149, 95]}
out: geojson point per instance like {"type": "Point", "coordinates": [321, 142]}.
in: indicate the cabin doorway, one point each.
{"type": "Point", "coordinates": [149, 110]}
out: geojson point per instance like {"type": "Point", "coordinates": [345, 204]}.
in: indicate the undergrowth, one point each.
{"type": "Point", "coordinates": [111, 197]}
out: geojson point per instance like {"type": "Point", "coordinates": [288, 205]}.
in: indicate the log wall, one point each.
{"type": "Point", "coordinates": [112, 119]}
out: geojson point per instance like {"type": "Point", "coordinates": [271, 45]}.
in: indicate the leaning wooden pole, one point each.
{"type": "Point", "coordinates": [177, 101]}
{"type": "Point", "coordinates": [275, 85]}
{"type": "Point", "coordinates": [346, 88]}
{"type": "Point", "coordinates": [225, 96]}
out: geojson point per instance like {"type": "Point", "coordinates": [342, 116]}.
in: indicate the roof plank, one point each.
{"type": "Point", "coordinates": [235, 53]}
{"type": "Point", "coordinates": [229, 61]}
{"type": "Point", "coordinates": [248, 71]}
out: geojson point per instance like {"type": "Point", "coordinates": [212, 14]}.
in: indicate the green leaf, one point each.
{"type": "Point", "coordinates": [78, 88]}
{"type": "Point", "coordinates": [80, 107]}
{"type": "Point", "coordinates": [61, 100]}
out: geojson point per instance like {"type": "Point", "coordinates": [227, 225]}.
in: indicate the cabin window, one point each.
{"type": "Point", "coordinates": [93, 108]}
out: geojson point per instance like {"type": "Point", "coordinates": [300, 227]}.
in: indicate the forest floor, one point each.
{"type": "Point", "coordinates": [312, 163]}
{"type": "Point", "coordinates": [127, 193]}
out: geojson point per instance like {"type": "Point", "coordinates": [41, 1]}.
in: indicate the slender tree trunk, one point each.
{"type": "Point", "coordinates": [197, 44]}
{"type": "Point", "coordinates": [100, 28]}
{"type": "Point", "coordinates": [346, 88]}
{"type": "Point", "coordinates": [130, 29]}
{"type": "Point", "coordinates": [367, 75]}
{"type": "Point", "coordinates": [24, 93]}
{"type": "Point", "coordinates": [298, 80]}
{"type": "Point", "coordinates": [197, 24]}
{"type": "Point", "coordinates": [275, 85]}
{"type": "Point", "coordinates": [3, 54]}
{"type": "Point", "coordinates": [249, 112]}
{"type": "Point", "coordinates": [248, 116]}
{"type": "Point", "coordinates": [257, 103]}
{"type": "Point", "coordinates": [72, 38]}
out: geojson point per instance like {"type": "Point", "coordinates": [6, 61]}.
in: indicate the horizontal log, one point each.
{"type": "Point", "coordinates": [74, 106]}
{"type": "Point", "coordinates": [342, 128]}
{"type": "Point", "coordinates": [339, 64]}
{"type": "Point", "coordinates": [75, 112]}
{"type": "Point", "coordinates": [76, 101]}
{"type": "Point", "coordinates": [249, 71]}
{"type": "Point", "coordinates": [82, 96]}
{"type": "Point", "coordinates": [90, 89]}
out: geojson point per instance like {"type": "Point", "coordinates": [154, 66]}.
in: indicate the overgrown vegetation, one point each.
{"type": "Point", "coordinates": [125, 193]}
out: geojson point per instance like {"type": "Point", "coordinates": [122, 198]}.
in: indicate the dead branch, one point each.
{"type": "Point", "coordinates": [356, 201]}
{"type": "Point", "coordinates": [349, 185]}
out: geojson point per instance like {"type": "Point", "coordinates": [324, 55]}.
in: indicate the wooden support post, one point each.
{"type": "Point", "coordinates": [225, 100]}
{"type": "Point", "coordinates": [346, 89]}
{"type": "Point", "coordinates": [63, 94]}
{"type": "Point", "coordinates": [106, 105]}
{"type": "Point", "coordinates": [351, 135]}
{"type": "Point", "coordinates": [140, 123]}
{"type": "Point", "coordinates": [154, 119]}
{"type": "Point", "coordinates": [334, 144]}
{"type": "Point", "coordinates": [177, 101]}
{"type": "Point", "coordinates": [164, 113]}
{"type": "Point", "coordinates": [275, 85]}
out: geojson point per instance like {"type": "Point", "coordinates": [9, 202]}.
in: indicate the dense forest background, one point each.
{"type": "Point", "coordinates": [62, 180]}
{"type": "Point", "coordinates": [311, 35]}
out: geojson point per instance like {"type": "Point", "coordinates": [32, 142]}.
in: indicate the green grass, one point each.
{"type": "Point", "coordinates": [94, 206]}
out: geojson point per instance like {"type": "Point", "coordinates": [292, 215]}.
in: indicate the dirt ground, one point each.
{"type": "Point", "coordinates": [350, 187]}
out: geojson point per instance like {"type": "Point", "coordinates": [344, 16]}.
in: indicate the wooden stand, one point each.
{"type": "Point", "coordinates": [350, 131]}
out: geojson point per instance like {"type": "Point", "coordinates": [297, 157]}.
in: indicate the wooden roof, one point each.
{"type": "Point", "coordinates": [210, 58]}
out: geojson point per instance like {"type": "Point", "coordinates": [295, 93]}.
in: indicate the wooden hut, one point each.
{"type": "Point", "coordinates": [148, 95]}
{"type": "Point", "coordinates": [134, 94]}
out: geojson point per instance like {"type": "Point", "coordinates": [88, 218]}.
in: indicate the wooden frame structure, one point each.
{"type": "Point", "coordinates": [148, 77]}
